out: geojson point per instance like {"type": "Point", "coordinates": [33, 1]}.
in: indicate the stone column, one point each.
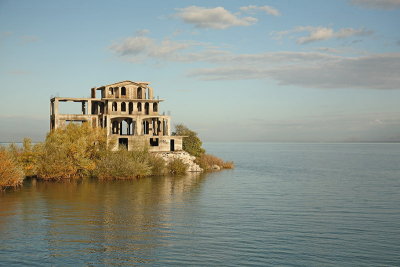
{"type": "Point", "coordinates": [55, 107]}
{"type": "Point", "coordinates": [139, 124]}
{"type": "Point", "coordinates": [108, 126]}
{"type": "Point", "coordinates": [89, 107]}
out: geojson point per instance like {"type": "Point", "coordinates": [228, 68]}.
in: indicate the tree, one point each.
{"type": "Point", "coordinates": [191, 142]}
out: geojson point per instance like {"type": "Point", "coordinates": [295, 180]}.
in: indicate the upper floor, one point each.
{"type": "Point", "coordinates": [124, 90]}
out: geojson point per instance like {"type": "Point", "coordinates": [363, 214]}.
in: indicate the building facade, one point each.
{"type": "Point", "coordinates": [129, 113]}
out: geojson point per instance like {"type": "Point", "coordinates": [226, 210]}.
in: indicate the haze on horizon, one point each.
{"type": "Point", "coordinates": [273, 71]}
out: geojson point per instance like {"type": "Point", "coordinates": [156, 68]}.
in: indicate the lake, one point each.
{"type": "Point", "coordinates": [283, 204]}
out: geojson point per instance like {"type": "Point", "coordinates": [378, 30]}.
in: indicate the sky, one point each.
{"type": "Point", "coordinates": [265, 71]}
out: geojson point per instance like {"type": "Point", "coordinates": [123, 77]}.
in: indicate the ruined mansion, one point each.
{"type": "Point", "coordinates": [129, 113]}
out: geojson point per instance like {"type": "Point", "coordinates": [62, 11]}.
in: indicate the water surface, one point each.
{"type": "Point", "coordinates": [283, 204]}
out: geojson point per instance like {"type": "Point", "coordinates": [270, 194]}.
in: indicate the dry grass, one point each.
{"type": "Point", "coordinates": [121, 165]}
{"type": "Point", "coordinates": [11, 175]}
{"type": "Point", "coordinates": [207, 162]}
{"type": "Point", "coordinates": [158, 166]}
{"type": "Point", "coordinates": [177, 167]}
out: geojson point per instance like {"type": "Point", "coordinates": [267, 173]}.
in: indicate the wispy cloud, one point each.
{"type": "Point", "coordinates": [19, 72]}
{"type": "Point", "coordinates": [377, 4]}
{"type": "Point", "coordinates": [25, 39]}
{"type": "Point", "coordinates": [142, 32]}
{"type": "Point", "coordinates": [326, 69]}
{"type": "Point", "coordinates": [313, 70]}
{"type": "Point", "coordinates": [320, 33]}
{"type": "Point", "coordinates": [138, 48]}
{"type": "Point", "coordinates": [214, 18]}
{"type": "Point", "coordinates": [267, 9]}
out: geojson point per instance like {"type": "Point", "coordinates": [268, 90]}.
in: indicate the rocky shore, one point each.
{"type": "Point", "coordinates": [184, 156]}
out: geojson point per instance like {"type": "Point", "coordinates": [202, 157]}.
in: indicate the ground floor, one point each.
{"type": "Point", "coordinates": [154, 143]}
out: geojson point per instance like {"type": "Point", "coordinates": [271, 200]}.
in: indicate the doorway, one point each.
{"type": "Point", "coordinates": [123, 142]}
{"type": "Point", "coordinates": [172, 145]}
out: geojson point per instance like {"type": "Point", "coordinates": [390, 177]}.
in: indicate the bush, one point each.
{"type": "Point", "coordinates": [122, 164]}
{"type": "Point", "coordinates": [158, 166]}
{"type": "Point", "coordinates": [177, 167]}
{"type": "Point", "coordinates": [11, 174]}
{"type": "Point", "coordinates": [26, 156]}
{"type": "Point", "coordinates": [191, 143]}
{"type": "Point", "coordinates": [29, 157]}
{"type": "Point", "coordinates": [208, 162]}
{"type": "Point", "coordinates": [71, 152]}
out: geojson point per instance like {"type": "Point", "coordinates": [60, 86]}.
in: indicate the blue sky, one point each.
{"type": "Point", "coordinates": [275, 71]}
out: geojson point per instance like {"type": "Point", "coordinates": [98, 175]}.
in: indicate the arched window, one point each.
{"type": "Point", "coordinates": [123, 91]}
{"type": "Point", "coordinates": [155, 107]}
{"type": "Point", "coordinates": [114, 106]}
{"type": "Point", "coordinates": [125, 127]}
{"type": "Point", "coordinates": [130, 108]}
{"type": "Point", "coordinates": [111, 91]}
{"type": "Point", "coordinates": [146, 108]}
{"type": "Point", "coordinates": [123, 106]}
{"type": "Point", "coordinates": [139, 93]}
{"type": "Point", "coordinates": [139, 107]}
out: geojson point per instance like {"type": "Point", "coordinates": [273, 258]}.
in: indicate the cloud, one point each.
{"type": "Point", "coordinates": [142, 32]}
{"type": "Point", "coordinates": [133, 45]}
{"type": "Point", "coordinates": [29, 39]}
{"type": "Point", "coordinates": [377, 4]}
{"type": "Point", "coordinates": [19, 72]}
{"type": "Point", "coordinates": [320, 33]}
{"type": "Point", "coordinates": [313, 70]}
{"type": "Point", "coordinates": [138, 48]}
{"type": "Point", "coordinates": [267, 9]}
{"type": "Point", "coordinates": [306, 69]}
{"type": "Point", "coordinates": [215, 18]}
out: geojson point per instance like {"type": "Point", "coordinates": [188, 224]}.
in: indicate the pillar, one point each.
{"type": "Point", "coordinates": [139, 125]}
{"type": "Point", "coordinates": [89, 107]}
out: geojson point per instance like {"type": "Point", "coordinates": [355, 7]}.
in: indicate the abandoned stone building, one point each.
{"type": "Point", "coordinates": [129, 113]}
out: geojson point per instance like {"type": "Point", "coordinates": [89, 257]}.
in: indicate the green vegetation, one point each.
{"type": "Point", "coordinates": [78, 151]}
{"type": "Point", "coordinates": [191, 143]}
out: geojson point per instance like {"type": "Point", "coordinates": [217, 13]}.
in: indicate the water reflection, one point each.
{"type": "Point", "coordinates": [109, 222]}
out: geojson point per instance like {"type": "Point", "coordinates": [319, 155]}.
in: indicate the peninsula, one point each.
{"type": "Point", "coordinates": [118, 135]}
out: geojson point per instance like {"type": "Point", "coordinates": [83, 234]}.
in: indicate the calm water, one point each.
{"type": "Point", "coordinates": [284, 204]}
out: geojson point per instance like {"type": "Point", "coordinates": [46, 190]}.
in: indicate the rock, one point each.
{"type": "Point", "coordinates": [215, 167]}
{"type": "Point", "coordinates": [184, 156]}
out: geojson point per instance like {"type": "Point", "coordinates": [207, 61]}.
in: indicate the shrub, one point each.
{"type": "Point", "coordinates": [122, 164]}
{"type": "Point", "coordinates": [228, 165]}
{"type": "Point", "coordinates": [71, 152]}
{"type": "Point", "coordinates": [29, 157]}
{"type": "Point", "coordinates": [191, 143]}
{"type": "Point", "coordinates": [177, 167]}
{"type": "Point", "coordinates": [207, 162]}
{"type": "Point", "coordinates": [158, 166]}
{"type": "Point", "coordinates": [11, 175]}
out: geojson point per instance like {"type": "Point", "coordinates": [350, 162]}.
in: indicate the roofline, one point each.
{"type": "Point", "coordinates": [140, 83]}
